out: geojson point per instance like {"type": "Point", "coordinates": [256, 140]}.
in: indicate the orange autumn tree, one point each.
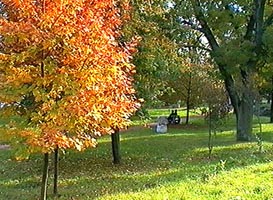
{"type": "Point", "coordinates": [64, 71]}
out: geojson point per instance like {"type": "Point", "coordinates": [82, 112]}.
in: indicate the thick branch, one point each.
{"type": "Point", "coordinates": [259, 15]}
{"type": "Point", "coordinates": [250, 28]}
{"type": "Point", "coordinates": [244, 77]}
{"type": "Point", "coordinates": [229, 82]}
{"type": "Point", "coordinates": [205, 27]}
{"type": "Point", "coordinates": [209, 35]}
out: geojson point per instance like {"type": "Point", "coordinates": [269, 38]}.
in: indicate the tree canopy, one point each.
{"type": "Point", "coordinates": [236, 36]}
{"type": "Point", "coordinates": [63, 72]}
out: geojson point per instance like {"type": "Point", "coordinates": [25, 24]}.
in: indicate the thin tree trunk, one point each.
{"type": "Point", "coordinates": [45, 177]}
{"type": "Point", "coordinates": [210, 145]}
{"type": "Point", "coordinates": [116, 147]}
{"type": "Point", "coordinates": [56, 171]}
{"type": "Point", "coordinates": [187, 113]}
{"type": "Point", "coordinates": [188, 99]}
{"type": "Point", "coordinates": [271, 109]}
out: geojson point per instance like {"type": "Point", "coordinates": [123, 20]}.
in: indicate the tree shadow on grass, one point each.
{"type": "Point", "coordinates": [19, 180]}
{"type": "Point", "coordinates": [148, 161]}
{"type": "Point", "coordinates": [139, 173]}
{"type": "Point", "coordinates": [267, 136]}
{"type": "Point", "coordinates": [152, 162]}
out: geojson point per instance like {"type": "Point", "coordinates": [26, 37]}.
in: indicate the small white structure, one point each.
{"type": "Point", "coordinates": [161, 126]}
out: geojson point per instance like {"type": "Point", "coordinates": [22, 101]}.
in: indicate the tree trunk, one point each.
{"type": "Point", "coordinates": [271, 109]}
{"type": "Point", "coordinates": [45, 177]}
{"type": "Point", "coordinates": [187, 112]}
{"type": "Point", "coordinates": [56, 171]}
{"type": "Point", "coordinates": [242, 102]}
{"type": "Point", "coordinates": [116, 147]}
{"type": "Point", "coordinates": [244, 118]}
{"type": "Point", "coordinates": [188, 99]}
{"type": "Point", "coordinates": [210, 145]}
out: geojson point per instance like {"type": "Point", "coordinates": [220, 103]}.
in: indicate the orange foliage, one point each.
{"type": "Point", "coordinates": [66, 55]}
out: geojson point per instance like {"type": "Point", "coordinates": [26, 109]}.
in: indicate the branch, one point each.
{"type": "Point", "coordinates": [259, 15]}
{"type": "Point", "coordinates": [228, 79]}
{"type": "Point", "coordinates": [205, 27]}
{"type": "Point", "coordinates": [250, 28]}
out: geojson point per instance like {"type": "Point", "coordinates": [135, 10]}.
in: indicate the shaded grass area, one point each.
{"type": "Point", "coordinates": [154, 166]}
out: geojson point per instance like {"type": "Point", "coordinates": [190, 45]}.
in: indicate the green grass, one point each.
{"type": "Point", "coordinates": [155, 113]}
{"type": "Point", "coordinates": [168, 166]}
{"type": "Point", "coordinates": [167, 112]}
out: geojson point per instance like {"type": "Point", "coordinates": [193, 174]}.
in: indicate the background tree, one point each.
{"type": "Point", "coordinates": [64, 75]}
{"type": "Point", "coordinates": [156, 60]}
{"type": "Point", "coordinates": [188, 86]}
{"type": "Point", "coordinates": [235, 34]}
{"type": "Point", "coordinates": [217, 103]}
{"type": "Point", "coordinates": [264, 85]}
{"type": "Point", "coordinates": [241, 31]}
{"type": "Point", "coordinates": [266, 78]}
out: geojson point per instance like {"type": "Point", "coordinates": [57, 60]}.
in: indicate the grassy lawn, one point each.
{"type": "Point", "coordinates": [155, 113]}
{"type": "Point", "coordinates": [172, 166]}
{"type": "Point", "coordinates": [165, 112]}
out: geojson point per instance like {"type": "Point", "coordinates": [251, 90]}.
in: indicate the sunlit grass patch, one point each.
{"type": "Point", "coordinates": [154, 166]}
{"type": "Point", "coordinates": [153, 115]}
{"type": "Point", "coordinates": [243, 183]}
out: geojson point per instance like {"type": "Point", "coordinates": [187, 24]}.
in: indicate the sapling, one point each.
{"type": "Point", "coordinates": [217, 110]}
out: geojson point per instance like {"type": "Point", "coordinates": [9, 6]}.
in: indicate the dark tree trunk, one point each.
{"type": "Point", "coordinates": [244, 118]}
{"type": "Point", "coordinates": [116, 147]}
{"type": "Point", "coordinates": [210, 145]}
{"type": "Point", "coordinates": [56, 171]}
{"type": "Point", "coordinates": [188, 99]}
{"type": "Point", "coordinates": [242, 102]}
{"type": "Point", "coordinates": [187, 112]}
{"type": "Point", "coordinates": [271, 109]}
{"type": "Point", "coordinates": [45, 177]}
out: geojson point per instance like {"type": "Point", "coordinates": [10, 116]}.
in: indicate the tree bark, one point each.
{"type": "Point", "coordinates": [56, 171]}
{"type": "Point", "coordinates": [45, 177]}
{"type": "Point", "coordinates": [242, 102]}
{"type": "Point", "coordinates": [244, 118]}
{"type": "Point", "coordinates": [115, 137]}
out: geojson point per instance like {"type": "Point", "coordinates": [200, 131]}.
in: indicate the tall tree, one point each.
{"type": "Point", "coordinates": [64, 74]}
{"type": "Point", "coordinates": [187, 88]}
{"type": "Point", "coordinates": [156, 60]}
{"type": "Point", "coordinates": [233, 33]}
